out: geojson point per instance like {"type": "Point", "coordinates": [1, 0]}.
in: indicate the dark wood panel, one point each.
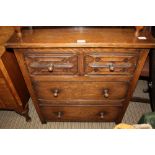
{"type": "Point", "coordinates": [6, 98]}
{"type": "Point", "coordinates": [13, 91]}
{"type": "Point", "coordinates": [1, 75]}
{"type": "Point", "coordinates": [13, 70]}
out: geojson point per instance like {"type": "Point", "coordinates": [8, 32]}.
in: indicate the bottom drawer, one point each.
{"type": "Point", "coordinates": [80, 113]}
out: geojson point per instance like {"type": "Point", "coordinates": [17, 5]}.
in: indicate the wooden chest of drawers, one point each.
{"type": "Point", "coordinates": [89, 81]}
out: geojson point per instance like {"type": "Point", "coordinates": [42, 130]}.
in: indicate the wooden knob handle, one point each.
{"type": "Point", "coordinates": [106, 93]}
{"type": "Point", "coordinates": [102, 114]}
{"type": "Point", "coordinates": [51, 68]}
{"type": "Point", "coordinates": [55, 92]}
{"type": "Point", "coordinates": [59, 114]}
{"type": "Point", "coordinates": [111, 67]}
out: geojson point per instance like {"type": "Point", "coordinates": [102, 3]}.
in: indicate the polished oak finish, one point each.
{"type": "Point", "coordinates": [65, 90]}
{"type": "Point", "coordinates": [51, 63]}
{"type": "Point", "coordinates": [14, 94]}
{"type": "Point", "coordinates": [81, 73]}
{"type": "Point", "coordinates": [68, 37]}
{"type": "Point", "coordinates": [111, 62]}
{"type": "Point", "coordinates": [69, 113]}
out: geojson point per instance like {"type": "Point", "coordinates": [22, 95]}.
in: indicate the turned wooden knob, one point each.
{"type": "Point", "coordinates": [106, 93]}
{"type": "Point", "coordinates": [59, 114]}
{"type": "Point", "coordinates": [111, 67]}
{"type": "Point", "coordinates": [51, 68]}
{"type": "Point", "coordinates": [55, 92]}
{"type": "Point", "coordinates": [101, 114]}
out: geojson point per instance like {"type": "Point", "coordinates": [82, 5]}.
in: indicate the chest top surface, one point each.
{"type": "Point", "coordinates": [80, 37]}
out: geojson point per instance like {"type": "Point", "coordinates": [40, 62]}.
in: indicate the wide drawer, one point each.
{"type": "Point", "coordinates": [48, 63]}
{"type": "Point", "coordinates": [82, 113]}
{"type": "Point", "coordinates": [110, 63]}
{"type": "Point", "coordinates": [80, 90]}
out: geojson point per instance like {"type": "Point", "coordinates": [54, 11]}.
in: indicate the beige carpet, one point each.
{"type": "Point", "coordinates": [134, 112]}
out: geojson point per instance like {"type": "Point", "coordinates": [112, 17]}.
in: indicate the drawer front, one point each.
{"type": "Point", "coordinates": [110, 63]}
{"type": "Point", "coordinates": [81, 90]}
{"type": "Point", "coordinates": [51, 63]}
{"type": "Point", "coordinates": [6, 98]}
{"type": "Point", "coordinates": [82, 113]}
{"type": "Point", "coordinates": [70, 113]}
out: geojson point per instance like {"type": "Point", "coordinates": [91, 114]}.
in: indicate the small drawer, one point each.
{"type": "Point", "coordinates": [80, 90]}
{"type": "Point", "coordinates": [48, 63]}
{"type": "Point", "coordinates": [80, 113]}
{"type": "Point", "coordinates": [110, 63]}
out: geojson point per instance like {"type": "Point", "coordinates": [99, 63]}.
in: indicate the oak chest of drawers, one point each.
{"type": "Point", "coordinates": [81, 74]}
